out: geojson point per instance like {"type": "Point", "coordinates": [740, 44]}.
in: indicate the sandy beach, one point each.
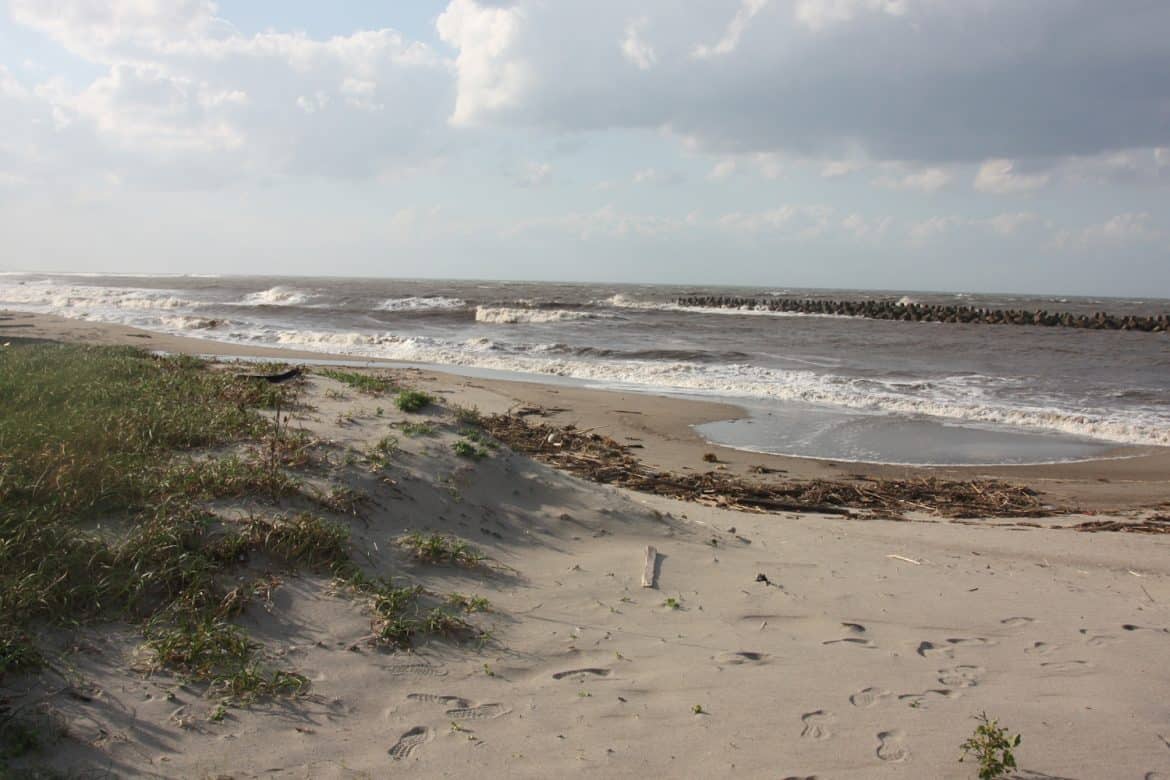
{"type": "Point", "coordinates": [863, 651]}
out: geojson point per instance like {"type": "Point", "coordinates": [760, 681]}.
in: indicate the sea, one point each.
{"type": "Point", "coordinates": [817, 386]}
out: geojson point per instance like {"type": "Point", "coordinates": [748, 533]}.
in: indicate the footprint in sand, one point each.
{"type": "Point", "coordinates": [852, 641]}
{"type": "Point", "coordinates": [971, 641]}
{"type": "Point", "coordinates": [410, 742]}
{"type": "Point", "coordinates": [1097, 640]}
{"type": "Point", "coordinates": [482, 712]}
{"type": "Point", "coordinates": [816, 724]}
{"type": "Point", "coordinates": [892, 746]}
{"type": "Point", "coordinates": [855, 628]}
{"type": "Point", "coordinates": [965, 676]}
{"type": "Point", "coordinates": [928, 649]}
{"type": "Point", "coordinates": [414, 669]}
{"type": "Point", "coordinates": [1016, 622]}
{"type": "Point", "coordinates": [582, 673]}
{"type": "Point", "coordinates": [868, 697]}
{"type": "Point", "coordinates": [435, 698]}
{"type": "Point", "coordinates": [1067, 668]}
{"type": "Point", "coordinates": [1039, 648]}
{"type": "Point", "coordinates": [921, 701]}
{"type": "Point", "coordinates": [740, 657]}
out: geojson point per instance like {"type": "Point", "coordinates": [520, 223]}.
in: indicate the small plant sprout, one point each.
{"type": "Point", "coordinates": [698, 709]}
{"type": "Point", "coordinates": [488, 671]}
{"type": "Point", "coordinates": [672, 603]}
{"type": "Point", "coordinates": [992, 746]}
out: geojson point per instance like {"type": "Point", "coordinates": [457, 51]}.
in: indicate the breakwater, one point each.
{"type": "Point", "coordinates": [909, 311]}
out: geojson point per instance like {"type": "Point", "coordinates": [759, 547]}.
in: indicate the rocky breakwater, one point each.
{"type": "Point", "coordinates": [908, 311]}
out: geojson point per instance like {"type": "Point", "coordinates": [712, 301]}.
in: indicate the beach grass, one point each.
{"type": "Point", "coordinates": [370, 384]}
{"type": "Point", "coordinates": [109, 459]}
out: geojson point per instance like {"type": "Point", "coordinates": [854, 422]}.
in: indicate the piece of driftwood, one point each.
{"type": "Point", "coordinates": [648, 567]}
{"type": "Point", "coordinates": [602, 459]}
{"type": "Point", "coordinates": [274, 379]}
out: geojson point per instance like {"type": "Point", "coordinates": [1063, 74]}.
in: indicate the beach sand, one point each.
{"type": "Point", "coordinates": [865, 654]}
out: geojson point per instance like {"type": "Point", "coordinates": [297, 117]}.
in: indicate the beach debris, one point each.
{"type": "Point", "coordinates": [275, 379]}
{"type": "Point", "coordinates": [648, 567]}
{"type": "Point", "coordinates": [1157, 524]}
{"type": "Point", "coordinates": [763, 578]}
{"type": "Point", "coordinates": [710, 457]}
{"type": "Point", "coordinates": [602, 459]}
{"type": "Point", "coordinates": [904, 558]}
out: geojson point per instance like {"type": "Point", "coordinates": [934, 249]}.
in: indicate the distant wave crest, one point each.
{"type": "Point", "coordinates": [501, 315]}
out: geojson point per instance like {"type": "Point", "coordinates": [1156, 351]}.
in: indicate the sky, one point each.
{"type": "Point", "coordinates": [982, 145]}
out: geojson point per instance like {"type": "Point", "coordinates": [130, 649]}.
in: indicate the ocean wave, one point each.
{"type": "Point", "coordinates": [278, 296]}
{"type": "Point", "coordinates": [72, 300]}
{"type": "Point", "coordinates": [417, 303]}
{"type": "Point", "coordinates": [956, 399]}
{"type": "Point", "coordinates": [500, 315]}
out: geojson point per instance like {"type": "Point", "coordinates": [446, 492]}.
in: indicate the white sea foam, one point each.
{"type": "Point", "coordinates": [416, 303]}
{"type": "Point", "coordinates": [960, 399]}
{"type": "Point", "coordinates": [501, 315]}
{"type": "Point", "coordinates": [278, 296]}
{"type": "Point", "coordinates": [74, 300]}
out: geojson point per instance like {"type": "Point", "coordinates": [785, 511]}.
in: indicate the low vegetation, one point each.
{"type": "Point", "coordinates": [412, 400]}
{"type": "Point", "coordinates": [437, 548]}
{"type": "Point", "coordinates": [416, 429]}
{"type": "Point", "coordinates": [991, 746]}
{"type": "Point", "coordinates": [371, 384]}
{"type": "Point", "coordinates": [109, 459]}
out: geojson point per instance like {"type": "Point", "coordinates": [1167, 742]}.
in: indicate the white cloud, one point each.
{"type": "Point", "coordinates": [1010, 224]}
{"type": "Point", "coordinates": [999, 176]}
{"type": "Point", "coordinates": [867, 229]}
{"type": "Point", "coordinates": [734, 32]}
{"type": "Point", "coordinates": [722, 169]}
{"type": "Point", "coordinates": [836, 168]}
{"type": "Point", "coordinates": [819, 14]}
{"type": "Point", "coordinates": [925, 180]}
{"type": "Point", "coordinates": [605, 222]}
{"type": "Point", "coordinates": [927, 230]}
{"type": "Point", "coordinates": [1119, 230]}
{"type": "Point", "coordinates": [186, 101]}
{"type": "Point", "coordinates": [636, 50]}
{"type": "Point", "coordinates": [535, 174]}
{"type": "Point", "coordinates": [490, 77]}
{"type": "Point", "coordinates": [804, 222]}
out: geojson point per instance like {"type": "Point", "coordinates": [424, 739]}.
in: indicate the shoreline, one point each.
{"type": "Point", "coordinates": [1126, 478]}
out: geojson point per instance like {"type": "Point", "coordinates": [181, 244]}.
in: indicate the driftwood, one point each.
{"type": "Point", "coordinates": [274, 379]}
{"type": "Point", "coordinates": [602, 459]}
{"type": "Point", "coordinates": [648, 567]}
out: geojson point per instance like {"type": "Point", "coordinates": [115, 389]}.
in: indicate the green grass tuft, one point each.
{"type": "Point", "coordinates": [366, 383]}
{"type": "Point", "coordinates": [412, 400]}
{"type": "Point", "coordinates": [437, 548]}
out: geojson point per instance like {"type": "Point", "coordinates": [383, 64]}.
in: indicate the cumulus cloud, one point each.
{"type": "Point", "coordinates": [490, 78]}
{"type": "Point", "coordinates": [182, 91]}
{"type": "Point", "coordinates": [1123, 229]}
{"type": "Point", "coordinates": [734, 32]}
{"type": "Point", "coordinates": [635, 49]}
{"type": "Point", "coordinates": [1001, 177]}
{"type": "Point", "coordinates": [818, 14]}
{"type": "Point", "coordinates": [924, 82]}
{"type": "Point", "coordinates": [925, 180]}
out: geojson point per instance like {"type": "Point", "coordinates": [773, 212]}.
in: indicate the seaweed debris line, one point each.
{"type": "Point", "coordinates": [601, 459]}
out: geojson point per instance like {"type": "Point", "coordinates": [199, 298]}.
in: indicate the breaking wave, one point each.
{"type": "Point", "coordinates": [954, 398]}
{"type": "Point", "coordinates": [500, 315]}
{"type": "Point", "coordinates": [278, 296]}
{"type": "Point", "coordinates": [417, 303]}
